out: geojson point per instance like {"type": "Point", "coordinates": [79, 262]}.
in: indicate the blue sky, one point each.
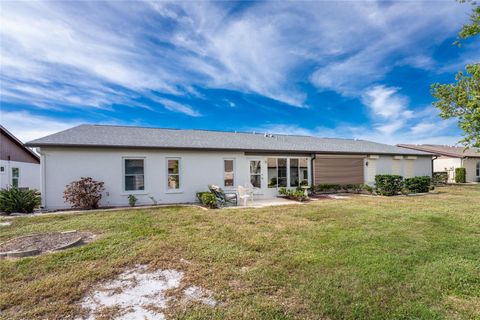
{"type": "Point", "coordinates": [331, 69]}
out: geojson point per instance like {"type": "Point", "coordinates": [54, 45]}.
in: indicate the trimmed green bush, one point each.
{"type": "Point", "coordinates": [19, 200]}
{"type": "Point", "coordinates": [388, 184]}
{"type": "Point", "coordinates": [460, 175]}
{"type": "Point", "coordinates": [327, 187]}
{"type": "Point", "coordinates": [368, 188]}
{"type": "Point", "coordinates": [440, 178]}
{"type": "Point", "coordinates": [207, 198]}
{"type": "Point", "coordinates": [418, 184]}
{"type": "Point", "coordinates": [354, 188]}
{"type": "Point", "coordinates": [297, 194]}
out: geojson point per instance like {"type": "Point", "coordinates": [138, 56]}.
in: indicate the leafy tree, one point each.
{"type": "Point", "coordinates": [461, 100]}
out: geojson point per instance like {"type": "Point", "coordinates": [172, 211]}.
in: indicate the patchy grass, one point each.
{"type": "Point", "coordinates": [360, 258]}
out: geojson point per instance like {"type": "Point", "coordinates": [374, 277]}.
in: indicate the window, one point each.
{"type": "Point", "coordinates": [173, 174]}
{"type": "Point", "coordinates": [15, 177]}
{"type": "Point", "coordinates": [478, 168]}
{"type": "Point", "coordinates": [256, 173]}
{"type": "Point", "coordinates": [277, 172]}
{"type": "Point", "coordinates": [294, 173]}
{"type": "Point", "coordinates": [303, 170]}
{"type": "Point", "coordinates": [228, 174]}
{"type": "Point", "coordinates": [2, 169]}
{"type": "Point", "coordinates": [134, 174]}
{"type": "Point", "coordinates": [282, 172]}
{"type": "Point", "coordinates": [272, 172]}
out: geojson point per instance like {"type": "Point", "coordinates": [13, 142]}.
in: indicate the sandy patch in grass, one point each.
{"type": "Point", "coordinates": [142, 294]}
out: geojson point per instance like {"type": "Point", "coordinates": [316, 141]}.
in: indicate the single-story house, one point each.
{"type": "Point", "coordinates": [19, 166]}
{"type": "Point", "coordinates": [452, 157]}
{"type": "Point", "coordinates": [173, 165]}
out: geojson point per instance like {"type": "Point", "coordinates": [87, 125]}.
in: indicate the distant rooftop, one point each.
{"type": "Point", "coordinates": [156, 138]}
{"type": "Point", "coordinates": [449, 151]}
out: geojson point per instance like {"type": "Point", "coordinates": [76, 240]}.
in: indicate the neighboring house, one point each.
{"type": "Point", "coordinates": [450, 158]}
{"type": "Point", "coordinates": [172, 165]}
{"type": "Point", "coordinates": [19, 166]}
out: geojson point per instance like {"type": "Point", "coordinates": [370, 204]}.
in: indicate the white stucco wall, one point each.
{"type": "Point", "coordinates": [470, 165]}
{"type": "Point", "coordinates": [197, 170]}
{"type": "Point", "coordinates": [450, 164]}
{"type": "Point", "coordinates": [446, 164]}
{"type": "Point", "coordinates": [405, 166]}
{"type": "Point", "coordinates": [29, 174]}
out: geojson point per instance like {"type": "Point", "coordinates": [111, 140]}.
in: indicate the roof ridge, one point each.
{"type": "Point", "coordinates": [253, 132]}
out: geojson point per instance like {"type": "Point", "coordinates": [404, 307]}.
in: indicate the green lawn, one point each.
{"type": "Point", "coordinates": [360, 258]}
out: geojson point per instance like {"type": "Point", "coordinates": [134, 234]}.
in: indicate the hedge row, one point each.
{"type": "Point", "coordinates": [390, 185]}
{"type": "Point", "coordinates": [355, 188]}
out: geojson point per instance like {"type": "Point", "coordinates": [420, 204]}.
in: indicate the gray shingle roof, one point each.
{"type": "Point", "coordinates": [449, 151]}
{"type": "Point", "coordinates": [140, 137]}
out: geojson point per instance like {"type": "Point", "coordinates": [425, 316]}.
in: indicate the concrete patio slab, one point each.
{"type": "Point", "coordinates": [261, 203]}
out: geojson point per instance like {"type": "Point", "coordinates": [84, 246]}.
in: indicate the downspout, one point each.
{"type": "Point", "coordinates": [433, 159]}
{"type": "Point", "coordinates": [314, 156]}
{"type": "Point", "coordinates": [43, 174]}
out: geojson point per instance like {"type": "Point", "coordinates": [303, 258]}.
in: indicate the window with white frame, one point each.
{"type": "Point", "coordinates": [173, 173]}
{"type": "Point", "coordinates": [2, 169]}
{"type": "Point", "coordinates": [228, 172]}
{"type": "Point", "coordinates": [134, 173]}
{"type": "Point", "coordinates": [15, 177]}
{"type": "Point", "coordinates": [278, 172]}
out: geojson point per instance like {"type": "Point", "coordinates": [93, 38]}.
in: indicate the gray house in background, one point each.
{"type": "Point", "coordinates": [172, 165]}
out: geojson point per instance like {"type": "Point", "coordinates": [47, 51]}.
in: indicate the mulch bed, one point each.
{"type": "Point", "coordinates": [43, 242]}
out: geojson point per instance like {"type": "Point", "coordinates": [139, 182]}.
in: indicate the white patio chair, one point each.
{"type": "Point", "coordinates": [250, 189]}
{"type": "Point", "coordinates": [242, 194]}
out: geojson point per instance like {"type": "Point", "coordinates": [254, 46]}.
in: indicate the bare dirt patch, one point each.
{"type": "Point", "coordinates": [142, 294]}
{"type": "Point", "coordinates": [43, 242]}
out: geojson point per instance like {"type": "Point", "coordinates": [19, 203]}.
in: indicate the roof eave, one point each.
{"type": "Point", "coordinates": [60, 145]}
{"type": "Point", "coordinates": [20, 143]}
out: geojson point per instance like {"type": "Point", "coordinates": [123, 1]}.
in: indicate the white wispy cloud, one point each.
{"type": "Point", "coordinates": [27, 126]}
{"type": "Point", "coordinates": [441, 135]}
{"type": "Point", "coordinates": [176, 107]}
{"type": "Point", "coordinates": [59, 55]}
{"type": "Point", "coordinates": [169, 47]}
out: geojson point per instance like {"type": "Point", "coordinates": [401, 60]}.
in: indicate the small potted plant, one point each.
{"type": "Point", "coordinates": [132, 200]}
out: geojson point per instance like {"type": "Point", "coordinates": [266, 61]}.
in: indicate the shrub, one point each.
{"type": "Point", "coordinates": [388, 184]}
{"type": "Point", "coordinates": [132, 200]}
{"type": "Point", "coordinates": [356, 188]}
{"type": "Point", "coordinates": [418, 184]}
{"type": "Point", "coordinates": [84, 193]}
{"type": "Point", "coordinates": [440, 178]}
{"type": "Point", "coordinates": [19, 200]}
{"type": "Point", "coordinates": [327, 187]}
{"type": "Point", "coordinates": [304, 183]}
{"type": "Point", "coordinates": [209, 199]}
{"type": "Point", "coordinates": [367, 188]}
{"type": "Point", "coordinates": [297, 194]}
{"type": "Point", "coordinates": [460, 175]}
